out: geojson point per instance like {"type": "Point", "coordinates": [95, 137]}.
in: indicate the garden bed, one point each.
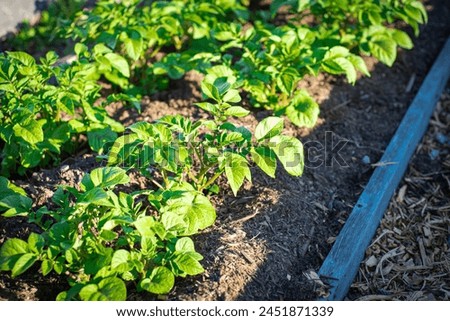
{"type": "Point", "coordinates": [268, 239]}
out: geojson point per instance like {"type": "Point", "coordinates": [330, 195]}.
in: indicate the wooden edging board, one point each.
{"type": "Point", "coordinates": [342, 263]}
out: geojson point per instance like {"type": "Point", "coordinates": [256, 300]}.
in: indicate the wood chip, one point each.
{"type": "Point", "coordinates": [371, 261]}
{"type": "Point", "coordinates": [401, 193]}
{"type": "Point", "coordinates": [423, 254]}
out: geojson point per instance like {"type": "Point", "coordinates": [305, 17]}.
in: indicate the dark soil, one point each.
{"type": "Point", "coordinates": [267, 239]}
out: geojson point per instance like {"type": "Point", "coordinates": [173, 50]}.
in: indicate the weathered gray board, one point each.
{"type": "Point", "coordinates": [342, 263]}
{"type": "Point", "coordinates": [13, 12]}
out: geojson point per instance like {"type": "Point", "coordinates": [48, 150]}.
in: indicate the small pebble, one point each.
{"type": "Point", "coordinates": [366, 159]}
{"type": "Point", "coordinates": [434, 153]}
{"type": "Point", "coordinates": [64, 168]}
{"type": "Point", "coordinates": [442, 139]}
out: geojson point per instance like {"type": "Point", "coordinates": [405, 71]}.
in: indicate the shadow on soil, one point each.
{"type": "Point", "coordinates": [274, 232]}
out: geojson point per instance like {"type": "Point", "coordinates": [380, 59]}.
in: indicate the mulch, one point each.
{"type": "Point", "coordinates": [409, 257]}
{"type": "Point", "coordinates": [270, 240]}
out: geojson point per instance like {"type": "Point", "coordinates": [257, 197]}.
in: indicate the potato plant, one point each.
{"type": "Point", "coordinates": [140, 30]}
{"type": "Point", "coordinates": [43, 106]}
{"type": "Point", "coordinates": [104, 239]}
{"type": "Point", "coordinates": [199, 152]}
{"type": "Point", "coordinates": [269, 59]}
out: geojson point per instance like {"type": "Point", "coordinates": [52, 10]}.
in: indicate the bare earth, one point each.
{"type": "Point", "coordinates": [276, 232]}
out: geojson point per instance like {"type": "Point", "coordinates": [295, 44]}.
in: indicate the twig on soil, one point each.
{"type": "Point", "coordinates": [410, 83]}
{"type": "Point", "coordinates": [245, 218]}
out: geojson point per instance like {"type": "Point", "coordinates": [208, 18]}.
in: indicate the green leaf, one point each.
{"type": "Point", "coordinates": [236, 170]}
{"type": "Point", "coordinates": [289, 151]}
{"type": "Point", "coordinates": [70, 295]}
{"type": "Point", "coordinates": [374, 17]}
{"type": "Point", "coordinates": [160, 281]}
{"type": "Point", "coordinates": [59, 136]}
{"type": "Point", "coordinates": [98, 138]}
{"type": "Point", "coordinates": [66, 104]}
{"type": "Point", "coordinates": [119, 261]}
{"type": "Point", "coordinates": [11, 251]}
{"type": "Point", "coordinates": [31, 157]}
{"type": "Point", "coordinates": [51, 57]}
{"type": "Point", "coordinates": [36, 243]}
{"type": "Point", "coordinates": [402, 39]}
{"type": "Point", "coordinates": [236, 112]}
{"type": "Point", "coordinates": [340, 65]}
{"type": "Point", "coordinates": [133, 45]}
{"type": "Point", "coordinates": [195, 209]}
{"type": "Point", "coordinates": [121, 148]}
{"type": "Point", "coordinates": [46, 267]}
{"type": "Point", "coordinates": [211, 108]}
{"type": "Point", "coordinates": [359, 64]}
{"type": "Point", "coordinates": [23, 57]}
{"type": "Point", "coordinates": [108, 235]}
{"type": "Point", "coordinates": [96, 196]}
{"type": "Point", "coordinates": [232, 96]}
{"type": "Point", "coordinates": [265, 158]}
{"type": "Point", "coordinates": [30, 131]}
{"type": "Point", "coordinates": [220, 71]}
{"type": "Point", "coordinates": [302, 110]}
{"type": "Point", "coordinates": [174, 223]}
{"type": "Point", "coordinates": [269, 127]}
{"type": "Point", "coordinates": [109, 289]}
{"type": "Point", "coordinates": [119, 63]}
{"type": "Point", "coordinates": [336, 52]}
{"type": "Point", "coordinates": [288, 80]}
{"type": "Point", "coordinates": [188, 262]}
{"type": "Point", "coordinates": [416, 11]}
{"type": "Point", "coordinates": [210, 91]}
{"type": "Point", "coordinates": [233, 137]}
{"type": "Point", "coordinates": [80, 48]}
{"type": "Point", "coordinates": [15, 205]}
{"type": "Point", "coordinates": [384, 49]}
{"type": "Point", "coordinates": [104, 177]}
{"type": "Point", "coordinates": [24, 262]}
{"type": "Point", "coordinates": [7, 188]}
{"type": "Point", "coordinates": [145, 225]}
{"type": "Point", "coordinates": [185, 244]}
{"type": "Point", "coordinates": [97, 261]}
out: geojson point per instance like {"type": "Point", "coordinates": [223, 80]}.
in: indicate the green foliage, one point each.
{"type": "Point", "coordinates": [44, 106]}
{"type": "Point", "coordinates": [139, 45]}
{"type": "Point", "coordinates": [139, 30]}
{"type": "Point", "coordinates": [275, 58]}
{"type": "Point", "coordinates": [175, 150]}
{"type": "Point", "coordinates": [103, 239]}
{"type": "Point", "coordinates": [13, 200]}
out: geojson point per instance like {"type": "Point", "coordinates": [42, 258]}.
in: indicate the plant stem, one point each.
{"type": "Point", "coordinates": [165, 178]}
{"type": "Point", "coordinates": [211, 180]}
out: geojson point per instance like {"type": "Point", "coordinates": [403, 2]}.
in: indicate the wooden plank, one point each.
{"type": "Point", "coordinates": [342, 263]}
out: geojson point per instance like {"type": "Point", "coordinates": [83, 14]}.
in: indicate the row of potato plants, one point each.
{"type": "Point", "coordinates": [104, 239]}
{"type": "Point", "coordinates": [269, 58]}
